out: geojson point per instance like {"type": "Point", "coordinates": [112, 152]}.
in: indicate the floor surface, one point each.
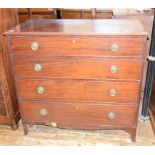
{"type": "Point", "coordinates": [45, 135]}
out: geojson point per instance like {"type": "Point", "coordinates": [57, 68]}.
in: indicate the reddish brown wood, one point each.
{"type": "Point", "coordinates": [80, 27]}
{"type": "Point", "coordinates": [76, 56]}
{"type": "Point", "coordinates": [75, 90]}
{"type": "Point", "coordinates": [9, 111]}
{"type": "Point", "coordinates": [78, 68]}
{"type": "Point", "coordinates": [25, 127]}
{"type": "Point", "coordinates": [71, 14]}
{"type": "Point", "coordinates": [80, 113]}
{"type": "Point", "coordinates": [2, 104]}
{"type": "Point", "coordinates": [78, 46]}
{"type": "Point", "coordinates": [85, 14]}
{"type": "Point", "coordinates": [104, 14]}
{"type": "Point", "coordinates": [29, 13]}
{"type": "Point", "coordinates": [35, 13]}
{"type": "Point", "coordinates": [132, 132]}
{"type": "Point", "coordinates": [93, 11]}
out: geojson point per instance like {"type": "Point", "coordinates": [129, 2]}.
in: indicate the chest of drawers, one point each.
{"type": "Point", "coordinates": [78, 74]}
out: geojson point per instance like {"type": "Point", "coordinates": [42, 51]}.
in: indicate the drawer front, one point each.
{"type": "Point", "coordinates": [102, 115]}
{"type": "Point", "coordinates": [78, 90]}
{"type": "Point", "coordinates": [86, 68]}
{"type": "Point", "coordinates": [78, 46]}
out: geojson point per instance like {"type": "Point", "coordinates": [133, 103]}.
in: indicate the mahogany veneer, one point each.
{"type": "Point", "coordinates": [35, 13]}
{"type": "Point", "coordinates": [9, 110]}
{"type": "Point", "coordinates": [78, 68]}
{"type": "Point", "coordinates": [85, 13]}
{"type": "Point", "coordinates": [78, 45]}
{"type": "Point", "coordinates": [78, 90]}
{"type": "Point", "coordinates": [82, 114]}
{"type": "Point", "coordinates": [81, 74]}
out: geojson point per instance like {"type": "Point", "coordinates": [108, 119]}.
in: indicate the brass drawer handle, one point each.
{"type": "Point", "coordinates": [38, 67]}
{"type": "Point", "coordinates": [35, 46]}
{"type": "Point", "coordinates": [40, 90]}
{"type": "Point", "coordinates": [111, 115]}
{"type": "Point", "coordinates": [43, 112]}
{"type": "Point", "coordinates": [113, 69]}
{"type": "Point", "coordinates": [112, 92]}
{"type": "Point", "coordinates": [114, 47]}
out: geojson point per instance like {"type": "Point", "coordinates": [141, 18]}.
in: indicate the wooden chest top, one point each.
{"type": "Point", "coordinates": [78, 27]}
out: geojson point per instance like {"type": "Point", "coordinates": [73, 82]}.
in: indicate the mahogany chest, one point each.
{"type": "Point", "coordinates": [78, 74]}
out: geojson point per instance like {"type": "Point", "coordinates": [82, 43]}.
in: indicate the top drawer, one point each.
{"type": "Point", "coordinates": [78, 45]}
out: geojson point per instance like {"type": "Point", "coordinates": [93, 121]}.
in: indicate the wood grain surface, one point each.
{"type": "Point", "coordinates": [78, 26]}
{"type": "Point", "coordinates": [82, 114]}
{"type": "Point", "coordinates": [75, 90]}
{"type": "Point", "coordinates": [79, 68]}
{"type": "Point", "coordinates": [78, 46]}
{"type": "Point", "coordinates": [9, 111]}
